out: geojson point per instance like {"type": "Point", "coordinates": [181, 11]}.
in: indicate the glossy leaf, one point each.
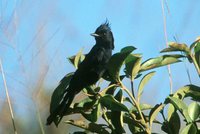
{"type": "Point", "coordinates": [90, 90]}
{"type": "Point", "coordinates": [169, 49]}
{"type": "Point", "coordinates": [189, 129]}
{"type": "Point", "coordinates": [94, 115]}
{"type": "Point", "coordinates": [136, 68]}
{"type": "Point", "coordinates": [71, 59]}
{"type": "Point", "coordinates": [154, 112]}
{"type": "Point", "coordinates": [92, 127]}
{"type": "Point", "coordinates": [86, 103]}
{"type": "Point", "coordinates": [194, 110]}
{"type": "Point", "coordinates": [133, 125]}
{"type": "Point", "coordinates": [111, 103]}
{"type": "Point", "coordinates": [194, 43]}
{"type": "Point", "coordinates": [132, 65]}
{"type": "Point", "coordinates": [142, 107]}
{"type": "Point", "coordinates": [117, 61]}
{"type": "Point", "coordinates": [186, 91]}
{"type": "Point", "coordinates": [117, 116]}
{"type": "Point", "coordinates": [173, 46]}
{"type": "Point", "coordinates": [173, 125]}
{"type": "Point", "coordinates": [179, 105]}
{"type": "Point", "coordinates": [57, 95]}
{"type": "Point", "coordinates": [143, 82]}
{"type": "Point", "coordinates": [160, 61]}
{"type": "Point", "coordinates": [76, 59]}
{"type": "Point", "coordinates": [128, 49]}
{"type": "Point", "coordinates": [197, 53]}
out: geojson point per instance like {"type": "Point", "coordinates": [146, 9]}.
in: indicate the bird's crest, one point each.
{"type": "Point", "coordinates": [105, 25]}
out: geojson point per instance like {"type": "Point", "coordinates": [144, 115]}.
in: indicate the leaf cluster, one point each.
{"type": "Point", "coordinates": [117, 109]}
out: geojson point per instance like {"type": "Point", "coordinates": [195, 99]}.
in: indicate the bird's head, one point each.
{"type": "Point", "coordinates": [103, 35]}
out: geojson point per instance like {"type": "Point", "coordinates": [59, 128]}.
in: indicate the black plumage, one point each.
{"type": "Point", "coordinates": [89, 71]}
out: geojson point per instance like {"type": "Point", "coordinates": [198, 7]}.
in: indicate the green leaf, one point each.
{"type": "Point", "coordinates": [173, 125]}
{"type": "Point", "coordinates": [71, 59]}
{"type": "Point", "coordinates": [160, 61]}
{"type": "Point", "coordinates": [143, 82]}
{"type": "Point", "coordinates": [189, 129]}
{"type": "Point", "coordinates": [169, 49]}
{"type": "Point", "coordinates": [57, 95]}
{"type": "Point", "coordinates": [111, 103]}
{"type": "Point", "coordinates": [133, 126]}
{"type": "Point", "coordinates": [194, 110]}
{"type": "Point", "coordinates": [186, 91]}
{"type": "Point", "coordinates": [90, 90]}
{"type": "Point", "coordinates": [94, 115]}
{"type": "Point", "coordinates": [76, 59]}
{"type": "Point", "coordinates": [109, 90]}
{"type": "Point", "coordinates": [197, 53]}
{"type": "Point", "coordinates": [92, 127]}
{"type": "Point", "coordinates": [117, 116]}
{"type": "Point", "coordinates": [194, 43]}
{"type": "Point", "coordinates": [86, 103]}
{"type": "Point", "coordinates": [173, 46]}
{"type": "Point", "coordinates": [179, 105]}
{"type": "Point", "coordinates": [132, 65]}
{"type": "Point", "coordinates": [142, 107]}
{"type": "Point", "coordinates": [154, 112]}
{"type": "Point", "coordinates": [128, 49]}
{"type": "Point", "coordinates": [116, 62]}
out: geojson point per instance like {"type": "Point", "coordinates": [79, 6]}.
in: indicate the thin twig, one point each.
{"type": "Point", "coordinates": [8, 97]}
{"type": "Point", "coordinates": [34, 38]}
{"type": "Point", "coordinates": [44, 45]}
{"type": "Point", "coordinates": [186, 67]}
{"type": "Point", "coordinates": [166, 40]}
{"type": "Point", "coordinates": [142, 121]}
{"type": "Point", "coordinates": [39, 119]}
{"type": "Point", "coordinates": [134, 100]}
{"type": "Point", "coordinates": [106, 119]}
{"type": "Point", "coordinates": [187, 70]}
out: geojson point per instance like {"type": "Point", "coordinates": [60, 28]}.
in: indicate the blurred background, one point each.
{"type": "Point", "coordinates": [36, 37]}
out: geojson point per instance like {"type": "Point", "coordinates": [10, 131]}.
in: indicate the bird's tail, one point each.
{"type": "Point", "coordinates": [57, 115]}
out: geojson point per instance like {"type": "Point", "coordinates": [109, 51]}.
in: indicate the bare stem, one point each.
{"type": "Point", "coordinates": [8, 97]}
{"type": "Point", "coordinates": [143, 122]}
{"type": "Point", "coordinates": [106, 89]}
{"type": "Point", "coordinates": [39, 119]}
{"type": "Point", "coordinates": [166, 40]}
{"type": "Point", "coordinates": [106, 119]}
{"type": "Point", "coordinates": [188, 73]}
{"type": "Point", "coordinates": [133, 99]}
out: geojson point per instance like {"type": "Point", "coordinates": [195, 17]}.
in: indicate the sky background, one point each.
{"type": "Point", "coordinates": [36, 37]}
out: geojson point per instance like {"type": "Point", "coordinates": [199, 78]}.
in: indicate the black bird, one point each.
{"type": "Point", "coordinates": [89, 71]}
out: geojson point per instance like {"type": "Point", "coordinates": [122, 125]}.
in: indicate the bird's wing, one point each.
{"type": "Point", "coordinates": [92, 59]}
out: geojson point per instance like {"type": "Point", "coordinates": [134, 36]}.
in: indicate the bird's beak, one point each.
{"type": "Point", "coordinates": [94, 34]}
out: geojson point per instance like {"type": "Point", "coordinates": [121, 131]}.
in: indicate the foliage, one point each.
{"type": "Point", "coordinates": [109, 103]}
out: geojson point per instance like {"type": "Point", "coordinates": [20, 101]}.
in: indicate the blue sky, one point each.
{"type": "Point", "coordinates": [36, 37]}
